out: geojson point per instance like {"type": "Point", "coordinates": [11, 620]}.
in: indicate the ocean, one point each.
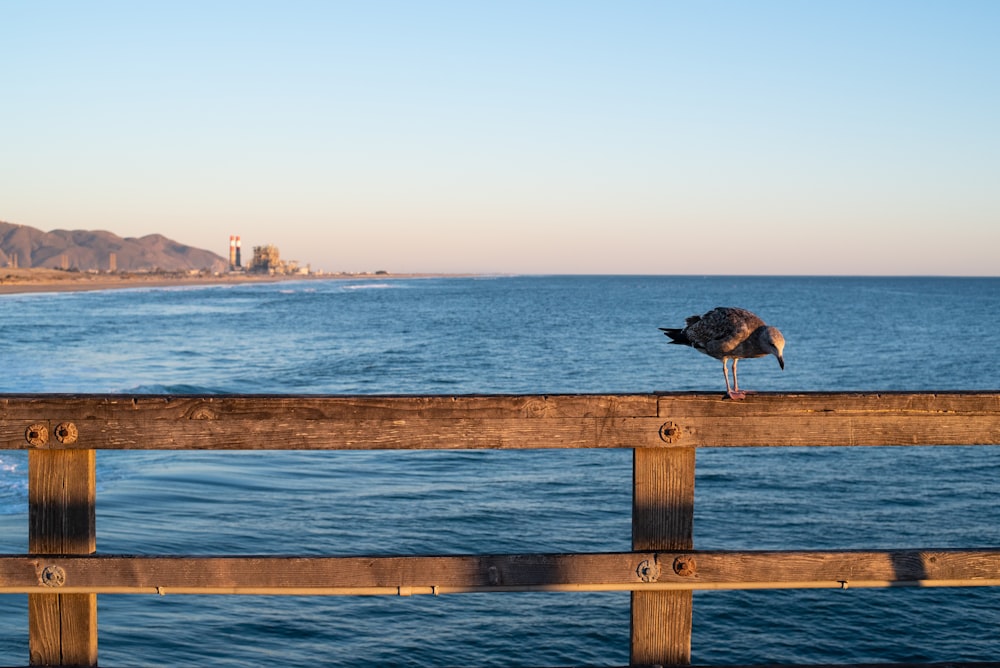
{"type": "Point", "coordinates": [513, 334]}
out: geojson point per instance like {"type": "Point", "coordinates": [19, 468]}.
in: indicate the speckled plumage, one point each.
{"type": "Point", "coordinates": [730, 333]}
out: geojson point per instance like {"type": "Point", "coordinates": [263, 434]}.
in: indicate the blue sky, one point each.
{"type": "Point", "coordinates": [771, 137]}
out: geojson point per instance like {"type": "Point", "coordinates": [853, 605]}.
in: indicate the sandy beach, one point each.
{"type": "Point", "coordinates": [19, 281]}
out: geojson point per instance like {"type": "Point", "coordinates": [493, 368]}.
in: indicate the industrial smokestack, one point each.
{"type": "Point", "coordinates": [239, 248]}
{"type": "Point", "coordinates": [232, 252]}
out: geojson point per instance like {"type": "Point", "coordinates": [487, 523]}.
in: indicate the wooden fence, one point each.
{"type": "Point", "coordinates": [63, 576]}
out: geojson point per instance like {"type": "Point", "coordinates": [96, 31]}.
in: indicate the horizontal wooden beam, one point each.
{"type": "Point", "coordinates": [329, 423]}
{"type": "Point", "coordinates": [939, 664]}
{"type": "Point", "coordinates": [623, 571]}
{"type": "Point", "coordinates": [312, 406]}
{"type": "Point", "coordinates": [496, 421]}
{"type": "Point", "coordinates": [401, 433]}
{"type": "Point", "coordinates": [834, 419]}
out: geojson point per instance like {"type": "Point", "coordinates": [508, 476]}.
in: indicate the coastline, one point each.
{"type": "Point", "coordinates": [21, 281]}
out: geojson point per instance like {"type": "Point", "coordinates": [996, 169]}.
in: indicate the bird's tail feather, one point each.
{"type": "Point", "coordinates": [676, 335]}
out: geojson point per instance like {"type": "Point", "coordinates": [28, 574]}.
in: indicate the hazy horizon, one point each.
{"type": "Point", "coordinates": [223, 254]}
{"type": "Point", "coordinates": [636, 138]}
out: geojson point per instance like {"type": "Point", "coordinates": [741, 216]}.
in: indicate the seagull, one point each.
{"type": "Point", "coordinates": [730, 333]}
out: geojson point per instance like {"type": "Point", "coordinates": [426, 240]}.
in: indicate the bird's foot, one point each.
{"type": "Point", "coordinates": [736, 395]}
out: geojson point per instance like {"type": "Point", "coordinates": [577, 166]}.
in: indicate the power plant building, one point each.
{"type": "Point", "coordinates": [266, 260]}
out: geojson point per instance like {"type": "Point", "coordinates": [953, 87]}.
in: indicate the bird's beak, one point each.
{"type": "Point", "coordinates": [781, 362]}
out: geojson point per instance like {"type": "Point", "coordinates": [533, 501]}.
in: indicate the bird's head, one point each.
{"type": "Point", "coordinates": [774, 343]}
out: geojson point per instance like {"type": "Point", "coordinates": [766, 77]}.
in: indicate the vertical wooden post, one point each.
{"type": "Point", "coordinates": [662, 519]}
{"type": "Point", "coordinates": [62, 628]}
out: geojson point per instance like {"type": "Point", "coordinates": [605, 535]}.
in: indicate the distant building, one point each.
{"type": "Point", "coordinates": [266, 260]}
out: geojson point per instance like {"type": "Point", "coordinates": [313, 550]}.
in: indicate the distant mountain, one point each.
{"type": "Point", "coordinates": [82, 250]}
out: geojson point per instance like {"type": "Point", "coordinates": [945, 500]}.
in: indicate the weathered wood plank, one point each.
{"type": "Point", "coordinates": [927, 567]}
{"type": "Point", "coordinates": [560, 421]}
{"type": "Point", "coordinates": [834, 419]}
{"type": "Point", "coordinates": [621, 571]}
{"type": "Point", "coordinates": [62, 628]}
{"type": "Point", "coordinates": [171, 574]}
{"type": "Point", "coordinates": [662, 519]}
{"type": "Point", "coordinates": [473, 422]}
{"type": "Point", "coordinates": [284, 433]}
{"type": "Point", "coordinates": [940, 664]}
{"type": "Point", "coordinates": [317, 407]}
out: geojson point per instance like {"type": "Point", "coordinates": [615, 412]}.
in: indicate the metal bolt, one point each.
{"type": "Point", "coordinates": [685, 566]}
{"type": "Point", "coordinates": [648, 572]}
{"type": "Point", "coordinates": [66, 432]}
{"type": "Point", "coordinates": [37, 435]}
{"type": "Point", "coordinates": [669, 431]}
{"type": "Point", "coordinates": [52, 576]}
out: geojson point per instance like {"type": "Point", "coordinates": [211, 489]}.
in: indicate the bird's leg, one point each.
{"type": "Point", "coordinates": [736, 383]}
{"type": "Point", "coordinates": [734, 391]}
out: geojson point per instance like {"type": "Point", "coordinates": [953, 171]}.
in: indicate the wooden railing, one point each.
{"type": "Point", "coordinates": [62, 575]}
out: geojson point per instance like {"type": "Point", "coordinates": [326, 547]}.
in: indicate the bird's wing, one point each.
{"type": "Point", "coordinates": [721, 330]}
